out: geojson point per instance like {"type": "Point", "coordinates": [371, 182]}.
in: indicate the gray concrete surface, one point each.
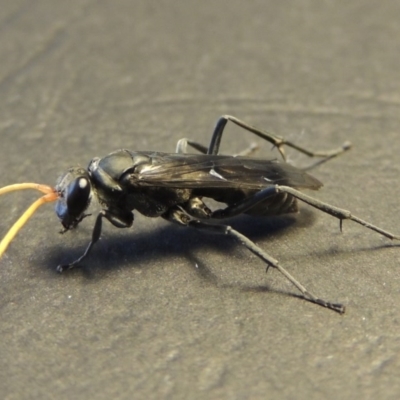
{"type": "Point", "coordinates": [160, 312]}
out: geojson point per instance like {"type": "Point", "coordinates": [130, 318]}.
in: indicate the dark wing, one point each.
{"type": "Point", "coordinates": [218, 171]}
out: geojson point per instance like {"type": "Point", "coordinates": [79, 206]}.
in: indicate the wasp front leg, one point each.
{"type": "Point", "coordinates": [119, 218]}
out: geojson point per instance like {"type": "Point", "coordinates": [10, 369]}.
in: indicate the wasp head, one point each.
{"type": "Point", "coordinates": [74, 195]}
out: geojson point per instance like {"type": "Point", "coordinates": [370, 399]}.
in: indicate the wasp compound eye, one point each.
{"type": "Point", "coordinates": [74, 197]}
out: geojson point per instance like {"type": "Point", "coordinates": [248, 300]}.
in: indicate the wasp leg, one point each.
{"type": "Point", "coordinates": [248, 151]}
{"type": "Point", "coordinates": [271, 191]}
{"type": "Point", "coordinates": [178, 216]}
{"type": "Point", "coordinates": [339, 213]}
{"type": "Point", "coordinates": [95, 237]}
{"type": "Point", "coordinates": [277, 141]}
{"type": "Point", "coordinates": [245, 205]}
{"type": "Point", "coordinates": [181, 148]}
{"type": "Point", "coordinates": [196, 208]}
{"type": "Point", "coordinates": [119, 218]}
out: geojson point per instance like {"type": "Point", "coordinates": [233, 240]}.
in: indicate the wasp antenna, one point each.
{"type": "Point", "coordinates": [21, 186]}
{"type": "Point", "coordinates": [48, 197]}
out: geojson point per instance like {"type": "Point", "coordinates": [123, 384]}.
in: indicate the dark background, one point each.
{"type": "Point", "coordinates": [164, 312]}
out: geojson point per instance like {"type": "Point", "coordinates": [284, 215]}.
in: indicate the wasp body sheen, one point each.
{"type": "Point", "coordinates": [174, 186]}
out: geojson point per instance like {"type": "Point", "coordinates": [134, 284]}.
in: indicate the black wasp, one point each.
{"type": "Point", "coordinates": [173, 186]}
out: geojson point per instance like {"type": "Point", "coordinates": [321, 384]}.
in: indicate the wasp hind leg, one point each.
{"type": "Point", "coordinates": [275, 140]}
{"type": "Point", "coordinates": [182, 145]}
{"type": "Point", "coordinates": [339, 213]}
{"type": "Point", "coordinates": [180, 217]}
